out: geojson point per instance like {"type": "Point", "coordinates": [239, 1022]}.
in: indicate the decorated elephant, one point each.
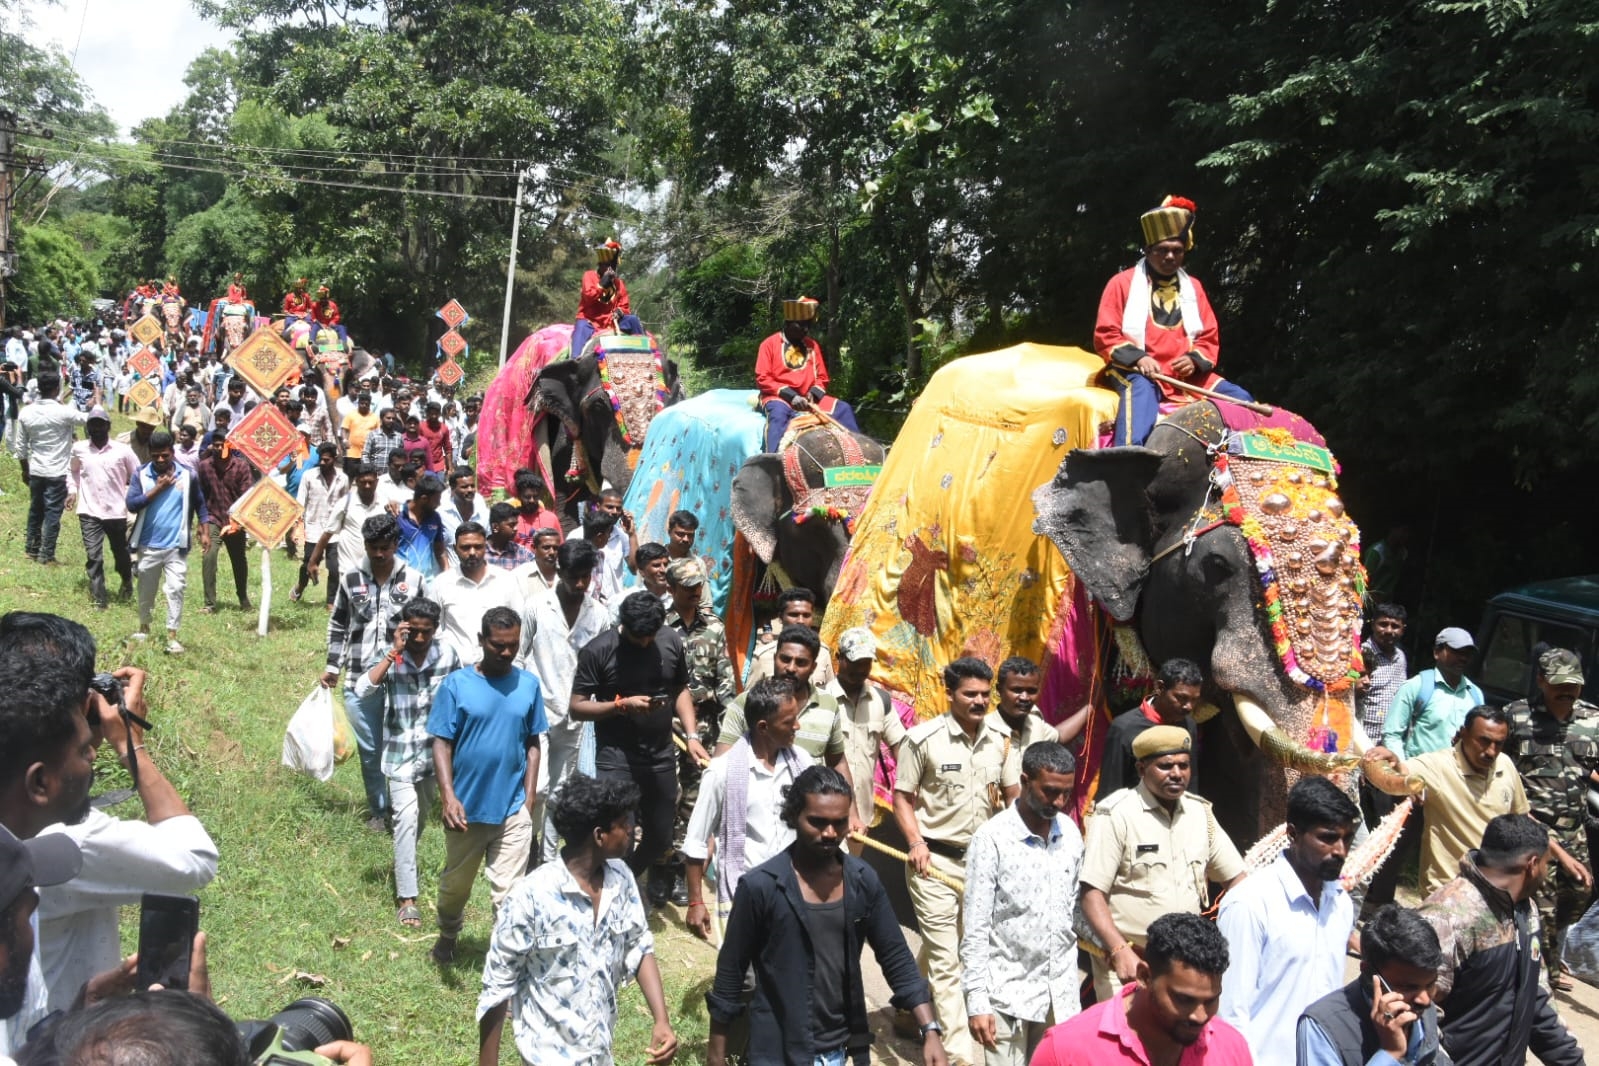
{"type": "Point", "coordinates": [797, 507]}
{"type": "Point", "coordinates": [592, 413]}
{"type": "Point", "coordinates": [1221, 540]}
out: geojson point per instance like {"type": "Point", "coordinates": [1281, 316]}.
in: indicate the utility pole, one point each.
{"type": "Point", "coordinates": [510, 265]}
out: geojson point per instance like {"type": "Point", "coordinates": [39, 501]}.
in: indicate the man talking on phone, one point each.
{"type": "Point", "coordinates": [630, 682]}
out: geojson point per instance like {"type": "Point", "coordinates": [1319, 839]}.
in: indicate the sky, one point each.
{"type": "Point", "coordinates": [132, 54]}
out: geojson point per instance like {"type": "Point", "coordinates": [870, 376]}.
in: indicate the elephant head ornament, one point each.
{"type": "Point", "coordinates": [1230, 548]}
{"type": "Point", "coordinates": [797, 507]}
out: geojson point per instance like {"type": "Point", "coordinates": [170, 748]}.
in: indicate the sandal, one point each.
{"type": "Point", "coordinates": [410, 916]}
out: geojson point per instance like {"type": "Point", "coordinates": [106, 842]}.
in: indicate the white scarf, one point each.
{"type": "Point", "coordinates": [1136, 314]}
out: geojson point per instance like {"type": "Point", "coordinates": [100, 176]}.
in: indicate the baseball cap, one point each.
{"type": "Point", "coordinates": [1561, 667]}
{"type": "Point", "coordinates": [1454, 637]}
{"type": "Point", "coordinates": [43, 861]}
{"type": "Point", "coordinates": [857, 644]}
{"type": "Point", "coordinates": [97, 413]}
{"type": "Point", "coordinates": [689, 572]}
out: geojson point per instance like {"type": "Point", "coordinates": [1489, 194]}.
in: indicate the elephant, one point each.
{"type": "Point", "coordinates": [1245, 564]}
{"type": "Point", "coordinates": [808, 538]}
{"type": "Point", "coordinates": [586, 433]}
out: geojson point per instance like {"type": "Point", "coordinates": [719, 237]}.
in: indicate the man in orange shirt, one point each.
{"type": "Point", "coordinates": [604, 304]}
{"type": "Point", "coordinates": [1156, 319]}
{"type": "Point", "coordinates": [792, 375]}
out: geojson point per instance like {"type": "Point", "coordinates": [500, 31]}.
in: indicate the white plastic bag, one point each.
{"type": "Point", "coordinates": [308, 744]}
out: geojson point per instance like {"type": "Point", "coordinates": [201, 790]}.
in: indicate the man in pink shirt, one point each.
{"type": "Point", "coordinates": [1168, 1015]}
{"type": "Point", "coordinates": [437, 434]}
{"type": "Point", "coordinates": [97, 479]}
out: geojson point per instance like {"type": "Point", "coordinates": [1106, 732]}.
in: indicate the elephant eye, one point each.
{"type": "Point", "coordinates": [1217, 567]}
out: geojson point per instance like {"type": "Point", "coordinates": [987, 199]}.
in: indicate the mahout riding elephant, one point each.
{"type": "Point", "coordinates": [798, 507]}
{"type": "Point", "coordinates": [593, 412]}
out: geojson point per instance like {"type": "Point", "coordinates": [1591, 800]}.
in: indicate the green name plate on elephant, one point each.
{"type": "Point", "coordinates": [1298, 452]}
{"type": "Point", "coordinates": [835, 477]}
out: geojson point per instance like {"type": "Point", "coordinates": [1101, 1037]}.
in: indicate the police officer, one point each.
{"type": "Point", "coordinates": [710, 684]}
{"type": "Point", "coordinates": [1151, 850]}
{"type": "Point", "coordinates": [1554, 740]}
{"type": "Point", "coordinates": [954, 772]}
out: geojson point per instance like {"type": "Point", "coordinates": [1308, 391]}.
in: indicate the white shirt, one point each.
{"type": "Point", "coordinates": [465, 602]}
{"type": "Point", "coordinates": [611, 575]}
{"type": "Point", "coordinates": [345, 525]}
{"type": "Point", "coordinates": [321, 500]}
{"type": "Point", "coordinates": [45, 432]}
{"type": "Point", "coordinates": [122, 860]}
{"type": "Point", "coordinates": [391, 491]}
{"type": "Point", "coordinates": [765, 832]}
{"type": "Point", "coordinates": [560, 967]}
{"type": "Point", "coordinates": [549, 649]}
{"type": "Point", "coordinates": [1286, 951]}
{"type": "Point", "coordinates": [1019, 954]}
{"type": "Point", "coordinates": [453, 519]}
{"type": "Point", "coordinates": [35, 1004]}
{"type": "Point", "coordinates": [534, 583]}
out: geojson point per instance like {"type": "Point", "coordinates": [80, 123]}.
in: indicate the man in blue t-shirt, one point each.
{"type": "Point", "coordinates": [422, 530]}
{"type": "Point", "coordinates": [485, 723]}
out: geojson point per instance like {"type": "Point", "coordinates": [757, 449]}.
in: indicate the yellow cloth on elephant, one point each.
{"type": "Point", "coordinates": [944, 561]}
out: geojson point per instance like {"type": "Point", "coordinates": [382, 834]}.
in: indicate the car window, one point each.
{"type": "Point", "coordinates": [1507, 667]}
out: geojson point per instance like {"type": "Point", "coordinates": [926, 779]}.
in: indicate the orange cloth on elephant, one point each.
{"type": "Point", "coordinates": [1165, 339]}
{"type": "Point", "coordinates": [779, 365]}
{"type": "Point", "coordinates": [297, 303]}
{"type": "Point", "coordinates": [598, 305]}
{"type": "Point", "coordinates": [325, 312]}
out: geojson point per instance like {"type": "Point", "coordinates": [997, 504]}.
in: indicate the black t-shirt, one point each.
{"type": "Point", "coordinates": [609, 667]}
{"type": "Point", "coordinates": [1118, 768]}
{"type": "Point", "coordinates": [829, 1020]}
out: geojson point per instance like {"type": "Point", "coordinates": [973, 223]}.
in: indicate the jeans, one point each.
{"type": "Point", "coordinates": [48, 498]}
{"type": "Point", "coordinates": [657, 783]}
{"type": "Point", "coordinates": [366, 721]}
{"type": "Point", "coordinates": [238, 560]}
{"type": "Point", "coordinates": [565, 744]}
{"type": "Point", "coordinates": [836, 1057]}
{"type": "Point", "coordinates": [583, 330]}
{"type": "Point", "coordinates": [330, 567]}
{"type": "Point", "coordinates": [502, 849]}
{"type": "Point", "coordinates": [411, 800]}
{"type": "Point", "coordinates": [169, 566]}
{"type": "Point", "coordinates": [97, 532]}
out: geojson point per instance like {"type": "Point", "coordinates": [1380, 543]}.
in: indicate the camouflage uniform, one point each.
{"type": "Point", "coordinates": [1554, 759]}
{"type": "Point", "coordinates": [710, 685]}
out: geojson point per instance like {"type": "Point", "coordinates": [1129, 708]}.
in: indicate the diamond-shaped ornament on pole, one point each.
{"type": "Point", "coordinates": [450, 372]}
{"type": "Point", "coordinates": [266, 512]}
{"type": "Point", "coordinates": [264, 361]}
{"type": "Point", "coordinates": [452, 343]}
{"type": "Point", "coordinates": [143, 393]}
{"type": "Point", "coordinates": [145, 363]}
{"type": "Point", "coordinates": [146, 330]}
{"type": "Point", "coordinates": [264, 436]}
{"type": "Point", "coordinates": [453, 314]}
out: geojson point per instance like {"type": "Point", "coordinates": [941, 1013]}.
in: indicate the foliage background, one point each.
{"type": "Point", "coordinates": [1396, 203]}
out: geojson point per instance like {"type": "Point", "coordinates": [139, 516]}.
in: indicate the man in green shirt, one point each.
{"type": "Point", "coordinates": [1429, 709]}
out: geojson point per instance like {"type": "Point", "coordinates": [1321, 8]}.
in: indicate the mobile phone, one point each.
{"type": "Point", "coordinates": [167, 925]}
{"type": "Point", "coordinates": [660, 702]}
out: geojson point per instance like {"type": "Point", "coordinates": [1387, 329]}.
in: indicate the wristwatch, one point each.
{"type": "Point", "coordinates": [932, 1027]}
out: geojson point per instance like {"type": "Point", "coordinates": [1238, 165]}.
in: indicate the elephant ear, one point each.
{"type": "Point", "coordinates": [1098, 513]}
{"type": "Point", "coordinates": [558, 389]}
{"type": "Point", "coordinates": [760, 496]}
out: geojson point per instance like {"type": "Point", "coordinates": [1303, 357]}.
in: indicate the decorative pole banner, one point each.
{"type": "Point", "coordinates": [452, 345]}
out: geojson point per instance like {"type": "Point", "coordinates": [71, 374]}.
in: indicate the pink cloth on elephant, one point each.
{"type": "Point", "coordinates": [1242, 419]}
{"type": "Point", "coordinates": [506, 424]}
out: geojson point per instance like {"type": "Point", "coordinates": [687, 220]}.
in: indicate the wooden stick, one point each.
{"type": "Point", "coordinates": [1211, 394]}
{"type": "Point", "coordinates": [682, 746]}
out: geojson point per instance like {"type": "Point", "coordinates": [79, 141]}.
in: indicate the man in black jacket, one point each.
{"type": "Point", "coordinates": [1496, 1008]}
{"type": "Point", "coordinates": [798, 919]}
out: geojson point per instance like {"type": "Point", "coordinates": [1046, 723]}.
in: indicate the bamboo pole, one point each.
{"type": "Point", "coordinates": [1211, 394]}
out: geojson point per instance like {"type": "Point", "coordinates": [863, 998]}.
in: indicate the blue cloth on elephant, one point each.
{"type": "Point", "coordinates": [780, 414]}
{"type": "Point", "coordinates": [1140, 403]}
{"type": "Point", "coordinates": [583, 329]}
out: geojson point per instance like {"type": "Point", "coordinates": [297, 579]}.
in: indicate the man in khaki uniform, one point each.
{"type": "Point", "coordinates": [867, 716]}
{"type": "Point", "coordinates": [1017, 684]}
{"type": "Point", "coordinates": [954, 774]}
{"type": "Point", "coordinates": [1150, 851]}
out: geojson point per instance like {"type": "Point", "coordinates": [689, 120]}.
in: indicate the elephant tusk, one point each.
{"type": "Point", "coordinates": [1279, 746]}
{"type": "Point", "coordinates": [1390, 781]}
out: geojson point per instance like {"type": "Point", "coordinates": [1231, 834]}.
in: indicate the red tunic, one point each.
{"type": "Point", "coordinates": [236, 294]}
{"type": "Point", "coordinates": [1164, 337]}
{"type": "Point", "coordinates": [325, 312]}
{"type": "Point", "coordinates": [297, 303]}
{"type": "Point", "coordinates": [773, 373]}
{"type": "Point", "coordinates": [597, 305]}
{"type": "Point", "coordinates": [438, 441]}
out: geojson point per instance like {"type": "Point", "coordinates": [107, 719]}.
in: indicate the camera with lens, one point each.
{"type": "Point", "coordinates": [109, 686]}
{"type": "Point", "coordinates": [293, 1034]}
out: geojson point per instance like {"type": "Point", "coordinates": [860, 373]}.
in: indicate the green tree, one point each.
{"type": "Point", "coordinates": [53, 279]}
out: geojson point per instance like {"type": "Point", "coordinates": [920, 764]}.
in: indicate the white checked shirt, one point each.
{"type": "Point", "coordinates": [1019, 954]}
{"type": "Point", "coordinates": [560, 968]}
{"type": "Point", "coordinates": [321, 501]}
